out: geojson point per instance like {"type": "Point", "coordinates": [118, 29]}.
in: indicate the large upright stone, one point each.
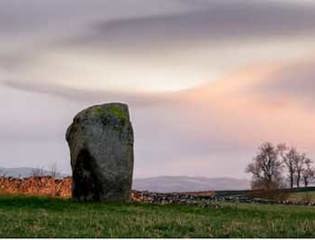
{"type": "Point", "coordinates": [101, 146]}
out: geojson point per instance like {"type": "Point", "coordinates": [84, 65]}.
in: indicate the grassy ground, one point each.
{"type": "Point", "coordinates": [44, 217]}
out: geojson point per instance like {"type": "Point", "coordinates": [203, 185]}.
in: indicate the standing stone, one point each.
{"type": "Point", "coordinates": [101, 147]}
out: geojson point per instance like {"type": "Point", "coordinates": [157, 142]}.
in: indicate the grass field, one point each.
{"type": "Point", "coordinates": [44, 217]}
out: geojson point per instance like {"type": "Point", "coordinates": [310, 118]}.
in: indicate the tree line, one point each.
{"type": "Point", "coordinates": [280, 166]}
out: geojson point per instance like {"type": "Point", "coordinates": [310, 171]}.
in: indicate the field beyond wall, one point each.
{"type": "Point", "coordinates": [51, 217]}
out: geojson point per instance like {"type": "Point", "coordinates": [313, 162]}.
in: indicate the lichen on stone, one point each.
{"type": "Point", "coordinates": [112, 110]}
{"type": "Point", "coordinates": [117, 111]}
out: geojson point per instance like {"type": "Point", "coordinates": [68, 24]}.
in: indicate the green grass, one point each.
{"type": "Point", "coordinates": [44, 217]}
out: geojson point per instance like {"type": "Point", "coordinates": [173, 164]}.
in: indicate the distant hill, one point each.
{"type": "Point", "coordinates": [26, 172]}
{"type": "Point", "coordinates": [189, 184]}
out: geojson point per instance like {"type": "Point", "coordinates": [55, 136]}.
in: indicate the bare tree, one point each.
{"type": "Point", "coordinates": [2, 173]}
{"type": "Point", "coordinates": [38, 172]}
{"type": "Point", "coordinates": [266, 168]}
{"type": "Point", "coordinates": [307, 172]}
{"type": "Point", "coordinates": [298, 161]}
{"type": "Point", "coordinates": [53, 170]}
{"type": "Point", "coordinates": [287, 156]}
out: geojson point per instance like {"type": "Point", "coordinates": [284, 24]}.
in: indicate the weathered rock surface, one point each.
{"type": "Point", "coordinates": [101, 147]}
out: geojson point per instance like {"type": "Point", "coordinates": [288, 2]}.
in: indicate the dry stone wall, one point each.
{"type": "Point", "coordinates": [43, 186]}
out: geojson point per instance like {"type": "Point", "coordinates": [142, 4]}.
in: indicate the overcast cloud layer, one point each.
{"type": "Point", "coordinates": [206, 81]}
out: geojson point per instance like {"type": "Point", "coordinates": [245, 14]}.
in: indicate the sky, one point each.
{"type": "Point", "coordinates": [206, 81]}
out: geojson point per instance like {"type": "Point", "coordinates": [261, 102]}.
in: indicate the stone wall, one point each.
{"type": "Point", "coordinates": [43, 186]}
{"type": "Point", "coordinates": [49, 186]}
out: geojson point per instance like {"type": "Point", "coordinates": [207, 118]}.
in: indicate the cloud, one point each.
{"type": "Point", "coordinates": [223, 121]}
{"type": "Point", "coordinates": [200, 131]}
{"type": "Point", "coordinates": [90, 96]}
{"type": "Point", "coordinates": [17, 16]}
{"type": "Point", "coordinates": [143, 49]}
{"type": "Point", "coordinates": [244, 111]}
{"type": "Point", "coordinates": [217, 22]}
{"type": "Point", "coordinates": [295, 81]}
